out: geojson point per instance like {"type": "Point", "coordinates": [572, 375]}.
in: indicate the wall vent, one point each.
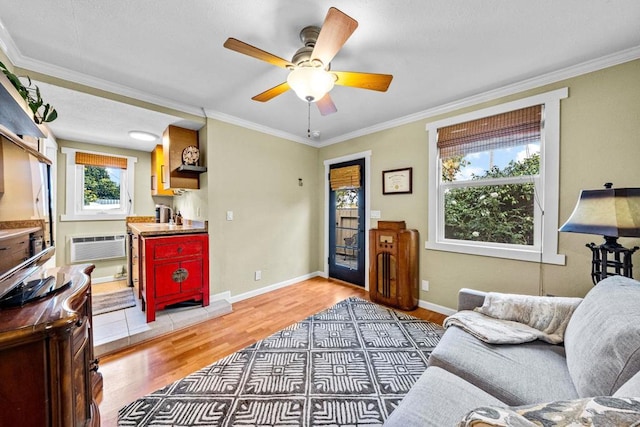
{"type": "Point", "coordinates": [91, 248]}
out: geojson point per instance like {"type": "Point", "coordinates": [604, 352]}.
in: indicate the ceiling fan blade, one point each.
{"type": "Point", "coordinates": [335, 31]}
{"type": "Point", "coordinates": [247, 49]}
{"type": "Point", "coordinates": [272, 93]}
{"type": "Point", "coordinates": [371, 81]}
{"type": "Point", "coordinates": [326, 105]}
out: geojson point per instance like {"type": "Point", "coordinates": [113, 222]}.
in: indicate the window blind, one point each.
{"type": "Point", "coordinates": [345, 177]}
{"type": "Point", "coordinates": [90, 159]}
{"type": "Point", "coordinates": [511, 129]}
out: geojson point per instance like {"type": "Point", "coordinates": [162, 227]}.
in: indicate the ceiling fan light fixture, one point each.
{"type": "Point", "coordinates": [310, 83]}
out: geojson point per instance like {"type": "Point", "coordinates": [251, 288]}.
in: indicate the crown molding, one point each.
{"type": "Point", "coordinates": [97, 83]}
{"type": "Point", "coordinates": [257, 127]}
{"type": "Point", "coordinates": [19, 60]}
{"type": "Point", "coordinates": [607, 61]}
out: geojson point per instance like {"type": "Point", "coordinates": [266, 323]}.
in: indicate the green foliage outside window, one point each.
{"type": "Point", "coordinates": [491, 213]}
{"type": "Point", "coordinates": [347, 198]}
{"type": "Point", "coordinates": [99, 185]}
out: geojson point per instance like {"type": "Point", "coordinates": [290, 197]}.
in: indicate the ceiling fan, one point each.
{"type": "Point", "coordinates": [310, 73]}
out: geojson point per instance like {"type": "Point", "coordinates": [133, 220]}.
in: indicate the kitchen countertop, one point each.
{"type": "Point", "coordinates": [146, 229]}
{"type": "Point", "coordinates": [14, 232]}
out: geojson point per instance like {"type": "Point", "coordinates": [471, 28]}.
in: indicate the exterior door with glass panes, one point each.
{"type": "Point", "coordinates": [346, 222]}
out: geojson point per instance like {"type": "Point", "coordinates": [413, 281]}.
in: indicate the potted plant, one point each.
{"type": "Point", "coordinates": [42, 113]}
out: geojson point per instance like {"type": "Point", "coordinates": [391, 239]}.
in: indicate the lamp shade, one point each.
{"type": "Point", "coordinates": [310, 83]}
{"type": "Point", "coordinates": [612, 212]}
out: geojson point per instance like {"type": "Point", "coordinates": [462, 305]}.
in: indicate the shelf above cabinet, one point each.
{"type": "Point", "coordinates": [192, 168]}
{"type": "Point", "coordinates": [16, 120]}
{"type": "Point", "coordinates": [14, 114]}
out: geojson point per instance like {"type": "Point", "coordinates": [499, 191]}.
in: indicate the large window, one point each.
{"type": "Point", "coordinates": [494, 181]}
{"type": "Point", "coordinates": [99, 186]}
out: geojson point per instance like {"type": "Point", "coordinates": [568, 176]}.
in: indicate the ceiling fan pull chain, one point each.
{"type": "Point", "coordinates": [308, 119]}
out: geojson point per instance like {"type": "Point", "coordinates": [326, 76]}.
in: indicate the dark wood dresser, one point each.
{"type": "Point", "coordinates": [48, 374]}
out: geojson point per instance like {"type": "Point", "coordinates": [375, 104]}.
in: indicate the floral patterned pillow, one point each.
{"type": "Point", "coordinates": [597, 411]}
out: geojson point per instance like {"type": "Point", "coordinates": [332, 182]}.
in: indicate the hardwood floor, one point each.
{"type": "Point", "coordinates": [135, 372]}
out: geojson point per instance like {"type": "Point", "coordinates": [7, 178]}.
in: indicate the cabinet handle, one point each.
{"type": "Point", "coordinates": [80, 322]}
{"type": "Point", "coordinates": [153, 182]}
{"type": "Point", "coordinates": [162, 173]}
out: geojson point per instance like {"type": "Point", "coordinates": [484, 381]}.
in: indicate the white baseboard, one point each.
{"type": "Point", "coordinates": [222, 296]}
{"type": "Point", "coordinates": [435, 307]}
{"type": "Point", "coordinates": [273, 287]}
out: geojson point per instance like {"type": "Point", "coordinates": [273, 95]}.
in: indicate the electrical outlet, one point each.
{"type": "Point", "coordinates": [258, 275]}
{"type": "Point", "coordinates": [229, 215]}
{"type": "Point", "coordinates": [425, 285]}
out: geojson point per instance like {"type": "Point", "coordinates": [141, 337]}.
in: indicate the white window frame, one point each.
{"type": "Point", "coordinates": [545, 247]}
{"type": "Point", "coordinates": [75, 191]}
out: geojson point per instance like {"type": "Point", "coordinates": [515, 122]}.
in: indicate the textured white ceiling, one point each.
{"type": "Point", "coordinates": [170, 53]}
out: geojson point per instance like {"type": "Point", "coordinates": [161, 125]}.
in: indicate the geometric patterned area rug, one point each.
{"type": "Point", "coordinates": [348, 365]}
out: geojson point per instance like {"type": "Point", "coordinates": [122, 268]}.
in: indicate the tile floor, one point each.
{"type": "Point", "coordinates": [123, 328]}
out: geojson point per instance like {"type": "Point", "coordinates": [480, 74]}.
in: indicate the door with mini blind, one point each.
{"type": "Point", "coordinates": [347, 222]}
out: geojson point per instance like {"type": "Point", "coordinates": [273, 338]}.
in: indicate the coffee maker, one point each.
{"type": "Point", "coordinates": [163, 213]}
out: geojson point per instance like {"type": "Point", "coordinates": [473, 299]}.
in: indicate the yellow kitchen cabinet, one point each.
{"type": "Point", "coordinates": [157, 168]}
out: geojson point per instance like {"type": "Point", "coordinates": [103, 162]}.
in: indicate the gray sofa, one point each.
{"type": "Point", "coordinates": [468, 379]}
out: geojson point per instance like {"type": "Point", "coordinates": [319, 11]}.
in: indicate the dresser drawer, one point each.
{"type": "Point", "coordinates": [178, 247]}
{"type": "Point", "coordinates": [80, 335]}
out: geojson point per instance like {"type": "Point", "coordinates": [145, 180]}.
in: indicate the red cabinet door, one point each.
{"type": "Point", "coordinates": [176, 277]}
{"type": "Point", "coordinates": [163, 279]}
{"type": "Point", "coordinates": [194, 279]}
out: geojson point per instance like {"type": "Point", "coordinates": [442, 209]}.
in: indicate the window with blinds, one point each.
{"type": "Point", "coordinates": [488, 172]}
{"type": "Point", "coordinates": [345, 177]}
{"type": "Point", "coordinates": [494, 180]}
{"type": "Point", "coordinates": [99, 185]}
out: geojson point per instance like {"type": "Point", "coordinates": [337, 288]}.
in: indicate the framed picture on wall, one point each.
{"type": "Point", "coordinates": [397, 181]}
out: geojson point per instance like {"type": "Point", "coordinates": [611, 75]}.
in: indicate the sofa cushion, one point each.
{"type": "Point", "coordinates": [517, 374]}
{"type": "Point", "coordinates": [602, 339]}
{"type": "Point", "coordinates": [630, 388]}
{"type": "Point", "coordinates": [438, 399]}
{"type": "Point", "coordinates": [595, 411]}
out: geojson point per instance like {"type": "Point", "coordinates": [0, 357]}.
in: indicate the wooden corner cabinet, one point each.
{"type": "Point", "coordinates": [49, 376]}
{"type": "Point", "coordinates": [174, 140]}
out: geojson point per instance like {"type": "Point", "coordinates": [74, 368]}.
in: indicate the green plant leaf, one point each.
{"type": "Point", "coordinates": [53, 114]}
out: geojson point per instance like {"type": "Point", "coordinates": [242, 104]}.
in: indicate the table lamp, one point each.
{"type": "Point", "coordinates": [612, 213]}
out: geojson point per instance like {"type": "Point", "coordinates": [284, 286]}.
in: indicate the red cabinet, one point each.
{"type": "Point", "coordinates": [174, 269]}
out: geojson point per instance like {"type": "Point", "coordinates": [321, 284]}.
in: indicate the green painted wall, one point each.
{"type": "Point", "coordinates": [274, 226]}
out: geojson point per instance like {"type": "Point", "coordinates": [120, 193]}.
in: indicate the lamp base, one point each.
{"type": "Point", "coordinates": [619, 265]}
